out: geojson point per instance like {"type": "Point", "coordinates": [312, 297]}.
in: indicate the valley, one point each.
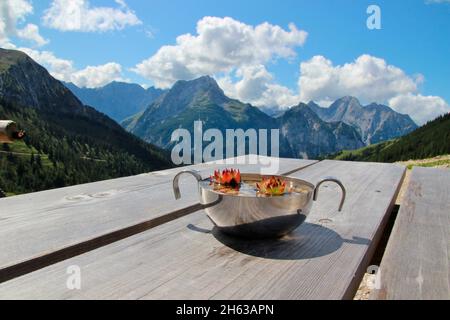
{"type": "Point", "coordinates": [70, 142]}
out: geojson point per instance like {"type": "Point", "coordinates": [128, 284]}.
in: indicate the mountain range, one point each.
{"type": "Point", "coordinates": [69, 142]}
{"type": "Point", "coordinates": [188, 101]}
{"type": "Point", "coordinates": [309, 136]}
{"type": "Point", "coordinates": [430, 140]}
{"type": "Point", "coordinates": [307, 130]}
{"type": "Point", "coordinates": [118, 100]}
{"type": "Point", "coordinates": [374, 122]}
{"type": "Point", "coordinates": [66, 142]}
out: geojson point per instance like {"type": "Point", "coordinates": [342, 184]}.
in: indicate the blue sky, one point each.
{"type": "Point", "coordinates": [409, 56]}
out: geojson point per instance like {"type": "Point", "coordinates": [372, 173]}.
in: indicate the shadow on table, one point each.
{"type": "Point", "coordinates": [306, 242]}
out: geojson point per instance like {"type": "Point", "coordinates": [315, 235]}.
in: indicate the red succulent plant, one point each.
{"type": "Point", "coordinates": [272, 186]}
{"type": "Point", "coordinates": [228, 178]}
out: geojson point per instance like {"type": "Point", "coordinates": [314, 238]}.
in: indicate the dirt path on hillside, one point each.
{"type": "Point", "coordinates": [16, 153]}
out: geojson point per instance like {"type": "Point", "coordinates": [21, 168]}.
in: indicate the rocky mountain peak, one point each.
{"type": "Point", "coordinates": [25, 82]}
{"type": "Point", "coordinates": [203, 88]}
{"type": "Point", "coordinates": [344, 105]}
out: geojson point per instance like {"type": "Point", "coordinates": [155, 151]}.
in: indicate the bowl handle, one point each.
{"type": "Point", "coordinates": [176, 187]}
{"type": "Point", "coordinates": [335, 180]}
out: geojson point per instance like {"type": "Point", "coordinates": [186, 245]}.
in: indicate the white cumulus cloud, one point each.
{"type": "Point", "coordinates": [12, 17]}
{"type": "Point", "coordinates": [64, 70]}
{"type": "Point", "coordinates": [369, 78]}
{"type": "Point", "coordinates": [420, 108]}
{"type": "Point", "coordinates": [78, 15]}
{"type": "Point", "coordinates": [31, 32]}
{"type": "Point", "coordinates": [257, 86]}
{"type": "Point", "coordinates": [220, 45]}
{"type": "Point", "coordinates": [97, 76]}
{"type": "Point", "coordinates": [59, 68]}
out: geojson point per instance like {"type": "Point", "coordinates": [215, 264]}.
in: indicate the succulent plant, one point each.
{"type": "Point", "coordinates": [227, 178]}
{"type": "Point", "coordinates": [271, 186]}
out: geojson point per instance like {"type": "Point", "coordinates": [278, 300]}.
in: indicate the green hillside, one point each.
{"type": "Point", "coordinates": [430, 140]}
{"type": "Point", "coordinates": [66, 142]}
{"type": "Point", "coordinates": [67, 150]}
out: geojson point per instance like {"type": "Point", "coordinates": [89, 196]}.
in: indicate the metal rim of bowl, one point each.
{"type": "Point", "coordinates": [296, 181]}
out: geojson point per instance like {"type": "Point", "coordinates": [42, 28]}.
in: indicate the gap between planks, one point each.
{"type": "Point", "coordinates": [365, 262]}
{"type": "Point", "coordinates": [39, 262]}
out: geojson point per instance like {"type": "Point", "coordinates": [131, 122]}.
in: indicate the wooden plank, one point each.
{"type": "Point", "coordinates": [416, 263]}
{"type": "Point", "coordinates": [41, 228]}
{"type": "Point", "coordinates": [323, 259]}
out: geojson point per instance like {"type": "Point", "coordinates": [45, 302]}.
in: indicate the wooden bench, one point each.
{"type": "Point", "coordinates": [416, 263]}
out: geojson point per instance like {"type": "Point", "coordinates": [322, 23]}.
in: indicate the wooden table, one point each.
{"type": "Point", "coordinates": [132, 240]}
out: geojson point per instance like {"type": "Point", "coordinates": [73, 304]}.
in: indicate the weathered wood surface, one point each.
{"type": "Point", "coordinates": [416, 263]}
{"type": "Point", "coordinates": [324, 258]}
{"type": "Point", "coordinates": [41, 228]}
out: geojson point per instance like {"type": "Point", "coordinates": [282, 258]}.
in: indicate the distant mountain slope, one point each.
{"type": "Point", "coordinates": [202, 99]}
{"type": "Point", "coordinates": [188, 101]}
{"type": "Point", "coordinates": [307, 134]}
{"type": "Point", "coordinates": [430, 140]}
{"type": "Point", "coordinates": [78, 143]}
{"type": "Point", "coordinates": [119, 100]}
{"type": "Point", "coordinates": [26, 83]}
{"type": "Point", "coordinates": [185, 94]}
{"type": "Point", "coordinates": [374, 122]}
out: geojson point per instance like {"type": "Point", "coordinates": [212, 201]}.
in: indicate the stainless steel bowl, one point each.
{"type": "Point", "coordinates": [251, 216]}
